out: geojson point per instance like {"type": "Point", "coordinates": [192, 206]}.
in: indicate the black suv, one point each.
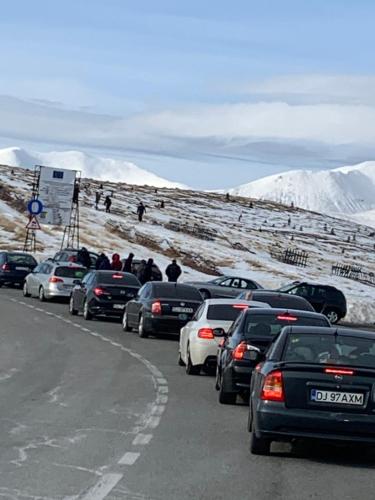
{"type": "Point", "coordinates": [325, 299]}
{"type": "Point", "coordinates": [15, 266]}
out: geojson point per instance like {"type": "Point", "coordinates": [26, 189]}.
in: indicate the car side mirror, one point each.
{"type": "Point", "coordinates": [219, 332]}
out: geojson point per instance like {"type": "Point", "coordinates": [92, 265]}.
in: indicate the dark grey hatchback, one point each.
{"type": "Point", "coordinates": [15, 266]}
{"type": "Point", "coordinates": [314, 383]}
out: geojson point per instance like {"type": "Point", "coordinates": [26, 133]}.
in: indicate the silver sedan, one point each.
{"type": "Point", "coordinates": [51, 279]}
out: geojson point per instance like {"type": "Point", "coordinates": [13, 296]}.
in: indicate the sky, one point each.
{"type": "Point", "coordinates": [212, 94]}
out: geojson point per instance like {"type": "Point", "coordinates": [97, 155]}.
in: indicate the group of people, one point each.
{"type": "Point", "coordinates": [144, 271]}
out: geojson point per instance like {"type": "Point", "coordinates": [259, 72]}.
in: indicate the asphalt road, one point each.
{"type": "Point", "coordinates": [89, 412]}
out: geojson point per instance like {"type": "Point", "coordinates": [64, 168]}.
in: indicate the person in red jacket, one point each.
{"type": "Point", "coordinates": [116, 263]}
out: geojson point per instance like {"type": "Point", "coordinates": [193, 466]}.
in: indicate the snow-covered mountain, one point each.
{"type": "Point", "coordinates": [106, 169]}
{"type": "Point", "coordinates": [342, 190]}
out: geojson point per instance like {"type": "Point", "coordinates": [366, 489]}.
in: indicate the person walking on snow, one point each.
{"type": "Point", "coordinates": [128, 264]}
{"type": "Point", "coordinates": [97, 199]}
{"type": "Point", "coordinates": [108, 203]}
{"type": "Point", "coordinates": [173, 271]}
{"type": "Point", "coordinates": [116, 263]}
{"type": "Point", "coordinates": [141, 209]}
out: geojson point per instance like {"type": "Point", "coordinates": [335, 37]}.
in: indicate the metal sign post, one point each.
{"type": "Point", "coordinates": [34, 207]}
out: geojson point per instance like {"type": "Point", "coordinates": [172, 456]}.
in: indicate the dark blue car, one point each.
{"type": "Point", "coordinates": [14, 267]}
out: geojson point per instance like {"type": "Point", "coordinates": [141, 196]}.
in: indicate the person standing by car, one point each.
{"type": "Point", "coordinates": [141, 209]}
{"type": "Point", "coordinates": [116, 263]}
{"type": "Point", "coordinates": [173, 271]}
{"type": "Point", "coordinates": [83, 257]}
{"type": "Point", "coordinates": [148, 270]}
{"type": "Point", "coordinates": [103, 263]}
{"type": "Point", "coordinates": [141, 272]}
{"type": "Point", "coordinates": [128, 264]}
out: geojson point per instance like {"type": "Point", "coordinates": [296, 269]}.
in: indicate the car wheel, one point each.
{"type": "Point", "coordinates": [226, 398]}
{"type": "Point", "coordinates": [86, 311]}
{"type": "Point", "coordinates": [25, 291]}
{"type": "Point", "coordinates": [141, 328]}
{"type": "Point", "coordinates": [259, 446]}
{"type": "Point", "coordinates": [72, 311]}
{"type": "Point", "coordinates": [332, 315]}
{"type": "Point", "coordinates": [42, 297]}
{"type": "Point", "coordinates": [190, 368]}
{"type": "Point", "coordinates": [125, 325]}
{"type": "Point", "coordinates": [205, 294]}
{"type": "Point", "coordinates": [180, 361]}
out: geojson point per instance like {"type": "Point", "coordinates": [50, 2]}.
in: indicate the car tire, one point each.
{"type": "Point", "coordinates": [125, 326]}
{"type": "Point", "coordinates": [259, 446]}
{"type": "Point", "coordinates": [141, 330]}
{"type": "Point", "coordinates": [205, 294]}
{"type": "Point", "coordinates": [25, 291]}
{"type": "Point", "coordinates": [87, 315]}
{"type": "Point", "coordinates": [190, 368]}
{"type": "Point", "coordinates": [72, 311]}
{"type": "Point", "coordinates": [180, 361]}
{"type": "Point", "coordinates": [332, 315]}
{"type": "Point", "coordinates": [42, 297]}
{"type": "Point", "coordinates": [226, 398]}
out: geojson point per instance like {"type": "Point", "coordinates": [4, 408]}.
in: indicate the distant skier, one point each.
{"type": "Point", "coordinates": [173, 271]}
{"type": "Point", "coordinates": [107, 204]}
{"type": "Point", "coordinates": [141, 209]}
{"type": "Point", "coordinates": [227, 197]}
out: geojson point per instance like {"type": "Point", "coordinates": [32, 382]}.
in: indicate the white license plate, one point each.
{"type": "Point", "coordinates": [183, 309]}
{"type": "Point", "coordinates": [336, 397]}
{"type": "Point", "coordinates": [118, 306]}
{"type": "Point", "coordinates": [20, 268]}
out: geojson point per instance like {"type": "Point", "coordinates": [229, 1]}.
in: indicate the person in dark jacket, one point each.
{"type": "Point", "coordinates": [116, 263]}
{"type": "Point", "coordinates": [141, 209]}
{"type": "Point", "coordinates": [83, 257]}
{"type": "Point", "coordinates": [173, 271]}
{"type": "Point", "coordinates": [103, 264]}
{"type": "Point", "coordinates": [128, 264]}
{"type": "Point", "coordinates": [97, 199]}
{"type": "Point", "coordinates": [141, 272]}
{"type": "Point", "coordinates": [148, 270]}
{"type": "Point", "coordinates": [107, 204]}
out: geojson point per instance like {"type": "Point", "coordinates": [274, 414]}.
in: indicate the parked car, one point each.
{"type": "Point", "coordinates": [314, 383]}
{"type": "Point", "coordinates": [161, 308]}
{"type": "Point", "coordinates": [70, 255]}
{"type": "Point", "coordinates": [50, 280]}
{"type": "Point", "coordinates": [157, 275]}
{"type": "Point", "coordinates": [103, 293]}
{"type": "Point", "coordinates": [200, 337]}
{"type": "Point", "coordinates": [277, 299]}
{"type": "Point", "coordinates": [254, 327]}
{"type": "Point", "coordinates": [225, 286]}
{"type": "Point", "coordinates": [14, 267]}
{"type": "Point", "coordinates": [325, 299]}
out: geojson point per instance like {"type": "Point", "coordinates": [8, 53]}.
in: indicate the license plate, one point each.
{"type": "Point", "coordinates": [20, 268]}
{"type": "Point", "coordinates": [185, 310]}
{"type": "Point", "coordinates": [118, 306]}
{"type": "Point", "coordinates": [336, 397]}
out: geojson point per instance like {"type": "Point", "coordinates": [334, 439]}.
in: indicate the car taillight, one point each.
{"type": "Point", "coordinates": [54, 279]}
{"type": "Point", "coordinates": [206, 333]}
{"type": "Point", "coordinates": [98, 291]}
{"type": "Point", "coordinates": [273, 389]}
{"type": "Point", "coordinates": [339, 371]}
{"type": "Point", "coordinates": [238, 352]}
{"type": "Point", "coordinates": [156, 307]}
{"type": "Point", "coordinates": [5, 267]}
{"type": "Point", "coordinates": [286, 317]}
{"type": "Point", "coordinates": [240, 306]}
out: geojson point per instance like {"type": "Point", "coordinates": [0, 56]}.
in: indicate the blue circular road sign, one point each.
{"type": "Point", "coordinates": [35, 207]}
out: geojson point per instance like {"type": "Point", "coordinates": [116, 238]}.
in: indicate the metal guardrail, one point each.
{"type": "Point", "coordinates": [354, 273]}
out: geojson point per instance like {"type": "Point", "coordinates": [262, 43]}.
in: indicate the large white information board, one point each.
{"type": "Point", "coordinates": [56, 187]}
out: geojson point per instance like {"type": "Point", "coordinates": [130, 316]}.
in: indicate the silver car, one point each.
{"type": "Point", "coordinates": [224, 287]}
{"type": "Point", "coordinates": [51, 279]}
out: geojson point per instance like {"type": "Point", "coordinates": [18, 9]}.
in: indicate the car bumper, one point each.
{"type": "Point", "coordinates": [51, 293]}
{"type": "Point", "coordinates": [104, 309]}
{"type": "Point", "coordinates": [164, 324]}
{"type": "Point", "coordinates": [275, 421]}
{"type": "Point", "coordinates": [13, 278]}
{"type": "Point", "coordinates": [203, 352]}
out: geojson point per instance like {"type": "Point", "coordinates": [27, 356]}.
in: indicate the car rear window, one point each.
{"type": "Point", "coordinates": [70, 272]}
{"type": "Point", "coordinates": [21, 258]}
{"type": "Point", "coordinates": [223, 312]}
{"type": "Point", "coordinates": [330, 350]}
{"type": "Point", "coordinates": [176, 291]}
{"type": "Point", "coordinates": [287, 301]}
{"type": "Point", "coordinates": [117, 278]}
{"type": "Point", "coordinates": [264, 325]}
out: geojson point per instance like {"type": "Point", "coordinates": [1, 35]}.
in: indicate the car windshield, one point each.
{"type": "Point", "coordinates": [264, 325]}
{"type": "Point", "coordinates": [114, 278]}
{"type": "Point", "coordinates": [224, 312]}
{"type": "Point", "coordinates": [70, 272]}
{"type": "Point", "coordinates": [176, 291]}
{"type": "Point", "coordinates": [21, 258]}
{"type": "Point", "coordinates": [330, 350]}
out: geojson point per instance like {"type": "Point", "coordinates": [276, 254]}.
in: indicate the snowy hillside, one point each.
{"type": "Point", "coordinates": [342, 190]}
{"type": "Point", "coordinates": [90, 166]}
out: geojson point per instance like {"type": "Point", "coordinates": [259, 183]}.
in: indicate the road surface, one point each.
{"type": "Point", "coordinates": [89, 412]}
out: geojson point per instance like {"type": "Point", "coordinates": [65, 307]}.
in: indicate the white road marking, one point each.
{"type": "Point", "coordinates": [129, 458]}
{"type": "Point", "coordinates": [104, 486]}
{"type": "Point", "coordinates": [162, 381]}
{"type": "Point", "coordinates": [142, 439]}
